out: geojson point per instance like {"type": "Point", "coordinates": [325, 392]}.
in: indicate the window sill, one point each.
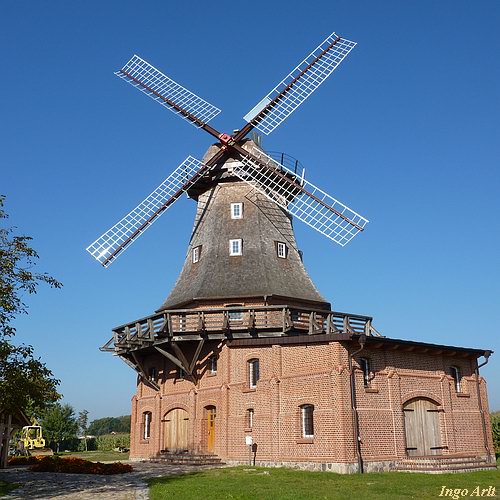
{"type": "Point", "coordinates": [144, 441]}
{"type": "Point", "coordinates": [212, 374]}
{"type": "Point", "coordinates": [305, 441]}
{"type": "Point", "coordinates": [462, 395]}
{"type": "Point", "coordinates": [372, 390]}
{"type": "Point", "coordinates": [248, 429]}
{"type": "Point", "coordinates": [249, 389]}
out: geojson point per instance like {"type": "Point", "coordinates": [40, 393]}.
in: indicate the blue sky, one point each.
{"type": "Point", "coordinates": [406, 132]}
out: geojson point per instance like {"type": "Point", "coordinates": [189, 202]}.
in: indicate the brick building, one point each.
{"type": "Point", "coordinates": [246, 346]}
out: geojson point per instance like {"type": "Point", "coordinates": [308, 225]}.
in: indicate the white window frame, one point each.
{"type": "Point", "coordinates": [303, 412]}
{"type": "Point", "coordinates": [364, 364]}
{"type": "Point", "coordinates": [213, 364]}
{"type": "Point", "coordinates": [195, 257]}
{"type": "Point", "coordinates": [250, 417]}
{"type": "Point", "coordinates": [281, 249]}
{"type": "Point", "coordinates": [147, 424]}
{"type": "Point", "coordinates": [457, 377]}
{"type": "Point", "coordinates": [251, 372]}
{"type": "Point", "coordinates": [237, 207]}
{"type": "Point", "coordinates": [239, 251]}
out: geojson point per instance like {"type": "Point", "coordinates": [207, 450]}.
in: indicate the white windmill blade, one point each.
{"type": "Point", "coordinates": [299, 197]}
{"type": "Point", "coordinates": [167, 92]}
{"type": "Point", "coordinates": [115, 240]}
{"type": "Point", "coordinates": [298, 85]}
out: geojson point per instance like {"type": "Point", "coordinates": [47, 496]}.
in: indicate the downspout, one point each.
{"type": "Point", "coordinates": [486, 355]}
{"type": "Point", "coordinates": [362, 341]}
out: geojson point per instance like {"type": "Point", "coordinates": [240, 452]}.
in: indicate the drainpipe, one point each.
{"type": "Point", "coordinates": [486, 355]}
{"type": "Point", "coordinates": [362, 341]}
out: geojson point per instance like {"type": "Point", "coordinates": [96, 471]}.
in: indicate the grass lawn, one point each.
{"type": "Point", "coordinates": [261, 483]}
{"type": "Point", "coordinates": [97, 456]}
{"type": "Point", "coordinates": [6, 487]}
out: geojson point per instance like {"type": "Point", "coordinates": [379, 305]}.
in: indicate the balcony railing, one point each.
{"type": "Point", "coordinates": [234, 322]}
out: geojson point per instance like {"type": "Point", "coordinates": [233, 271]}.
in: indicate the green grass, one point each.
{"type": "Point", "coordinates": [6, 487]}
{"type": "Point", "coordinates": [97, 456]}
{"type": "Point", "coordinates": [262, 483]}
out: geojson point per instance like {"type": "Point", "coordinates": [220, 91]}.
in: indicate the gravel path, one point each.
{"type": "Point", "coordinates": [131, 486]}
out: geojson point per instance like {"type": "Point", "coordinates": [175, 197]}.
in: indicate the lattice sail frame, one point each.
{"type": "Point", "coordinates": [325, 219]}
{"type": "Point", "coordinates": [305, 85]}
{"type": "Point", "coordinates": [117, 239]}
{"type": "Point", "coordinates": [155, 84]}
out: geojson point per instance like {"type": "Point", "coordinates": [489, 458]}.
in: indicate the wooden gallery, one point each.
{"type": "Point", "coordinates": [245, 358]}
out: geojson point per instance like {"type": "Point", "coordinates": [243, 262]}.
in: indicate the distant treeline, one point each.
{"type": "Point", "coordinates": [107, 425]}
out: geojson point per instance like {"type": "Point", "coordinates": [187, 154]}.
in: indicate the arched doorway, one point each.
{"type": "Point", "coordinates": [210, 414]}
{"type": "Point", "coordinates": [422, 429]}
{"type": "Point", "coordinates": [176, 430]}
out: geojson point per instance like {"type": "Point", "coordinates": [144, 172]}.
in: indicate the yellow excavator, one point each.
{"type": "Point", "coordinates": [32, 442]}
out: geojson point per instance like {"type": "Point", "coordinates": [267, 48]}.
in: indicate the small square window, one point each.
{"type": "Point", "coordinates": [235, 315]}
{"type": "Point", "coordinates": [235, 247]}
{"type": "Point", "coordinates": [282, 249]}
{"type": "Point", "coordinates": [196, 254]}
{"type": "Point", "coordinates": [236, 210]}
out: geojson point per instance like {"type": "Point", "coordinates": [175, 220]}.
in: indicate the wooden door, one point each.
{"type": "Point", "coordinates": [176, 430]}
{"type": "Point", "coordinates": [423, 434]}
{"type": "Point", "coordinates": [211, 414]}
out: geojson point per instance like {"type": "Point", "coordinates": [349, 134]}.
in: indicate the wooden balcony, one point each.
{"type": "Point", "coordinates": [233, 323]}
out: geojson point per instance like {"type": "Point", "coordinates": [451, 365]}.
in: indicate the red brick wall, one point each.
{"type": "Point", "coordinates": [316, 374]}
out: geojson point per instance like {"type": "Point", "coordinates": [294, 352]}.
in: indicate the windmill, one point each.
{"type": "Point", "coordinates": [281, 185]}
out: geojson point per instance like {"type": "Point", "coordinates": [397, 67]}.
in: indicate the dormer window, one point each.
{"type": "Point", "coordinates": [281, 249]}
{"type": "Point", "coordinates": [235, 247]}
{"type": "Point", "coordinates": [196, 254]}
{"type": "Point", "coordinates": [236, 210]}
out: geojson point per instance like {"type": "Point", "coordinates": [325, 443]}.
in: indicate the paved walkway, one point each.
{"type": "Point", "coordinates": [131, 486]}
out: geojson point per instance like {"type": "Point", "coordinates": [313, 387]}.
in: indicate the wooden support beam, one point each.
{"type": "Point", "coordinates": [180, 355]}
{"type": "Point", "coordinates": [142, 372]}
{"type": "Point", "coordinates": [196, 355]}
{"type": "Point", "coordinates": [171, 357]}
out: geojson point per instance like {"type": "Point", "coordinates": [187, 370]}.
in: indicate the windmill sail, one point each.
{"type": "Point", "coordinates": [167, 92]}
{"type": "Point", "coordinates": [298, 85]}
{"type": "Point", "coordinates": [301, 198]}
{"type": "Point", "coordinates": [115, 240]}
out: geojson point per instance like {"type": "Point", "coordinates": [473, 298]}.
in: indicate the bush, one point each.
{"type": "Point", "coordinates": [495, 427]}
{"type": "Point", "coordinates": [109, 442]}
{"type": "Point", "coordinates": [73, 465]}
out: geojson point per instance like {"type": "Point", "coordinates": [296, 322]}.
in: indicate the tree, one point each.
{"type": "Point", "coordinates": [17, 277]}
{"type": "Point", "coordinates": [26, 384]}
{"type": "Point", "coordinates": [83, 423]}
{"type": "Point", "coordinates": [107, 425]}
{"type": "Point", "coordinates": [59, 424]}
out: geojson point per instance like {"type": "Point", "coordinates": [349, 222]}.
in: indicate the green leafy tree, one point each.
{"type": "Point", "coordinates": [83, 424]}
{"type": "Point", "coordinates": [59, 424]}
{"type": "Point", "coordinates": [107, 425]}
{"type": "Point", "coordinates": [26, 384]}
{"type": "Point", "coordinates": [17, 276]}
{"type": "Point", "coordinates": [495, 427]}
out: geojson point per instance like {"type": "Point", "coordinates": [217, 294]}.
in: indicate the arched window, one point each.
{"type": "Point", "coordinates": [307, 421]}
{"type": "Point", "coordinates": [457, 377]}
{"type": "Point", "coordinates": [146, 424]}
{"type": "Point", "coordinates": [250, 418]}
{"type": "Point", "coordinates": [253, 373]}
{"type": "Point", "coordinates": [364, 364]}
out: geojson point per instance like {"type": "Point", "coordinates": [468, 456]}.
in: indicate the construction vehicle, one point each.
{"type": "Point", "coordinates": [32, 442]}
